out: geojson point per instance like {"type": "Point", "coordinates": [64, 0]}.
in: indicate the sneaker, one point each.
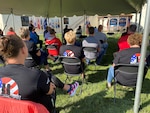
{"type": "Point", "coordinates": [74, 87]}
{"type": "Point", "coordinates": [108, 85]}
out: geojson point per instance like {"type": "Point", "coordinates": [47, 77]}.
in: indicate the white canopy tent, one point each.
{"type": "Point", "coordinates": [51, 8]}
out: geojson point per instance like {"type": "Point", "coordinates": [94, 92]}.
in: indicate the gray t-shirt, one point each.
{"type": "Point", "coordinates": [101, 36]}
{"type": "Point", "coordinates": [91, 42]}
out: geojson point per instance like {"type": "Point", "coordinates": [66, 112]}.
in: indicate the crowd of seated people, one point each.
{"type": "Point", "coordinates": [32, 83]}
{"type": "Point", "coordinates": [36, 56]}
{"type": "Point", "coordinates": [29, 55]}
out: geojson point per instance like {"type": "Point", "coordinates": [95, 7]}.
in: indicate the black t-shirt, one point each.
{"type": "Point", "coordinates": [125, 55]}
{"type": "Point", "coordinates": [30, 83]}
{"type": "Point", "coordinates": [72, 51]}
{"type": "Point", "coordinates": [32, 50]}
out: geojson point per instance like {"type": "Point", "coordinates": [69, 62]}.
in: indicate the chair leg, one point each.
{"type": "Point", "coordinates": [66, 78]}
{"type": "Point", "coordinates": [82, 84]}
{"type": "Point", "coordinates": [114, 92]}
{"type": "Point", "coordinates": [95, 66]}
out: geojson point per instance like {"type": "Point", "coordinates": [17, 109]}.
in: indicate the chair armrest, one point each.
{"type": "Point", "coordinates": [125, 65]}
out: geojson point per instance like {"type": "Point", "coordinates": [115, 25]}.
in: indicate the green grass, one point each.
{"type": "Point", "coordinates": [95, 98]}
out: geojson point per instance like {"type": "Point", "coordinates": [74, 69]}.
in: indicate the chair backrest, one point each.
{"type": "Point", "coordinates": [53, 49]}
{"type": "Point", "coordinates": [90, 52]}
{"type": "Point", "coordinates": [126, 74]}
{"type": "Point", "coordinates": [10, 105]}
{"type": "Point", "coordinates": [70, 63]}
{"type": "Point", "coordinates": [70, 60]}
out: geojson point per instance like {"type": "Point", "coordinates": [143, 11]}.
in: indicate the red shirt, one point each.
{"type": "Point", "coordinates": [122, 42]}
{"type": "Point", "coordinates": [11, 33]}
{"type": "Point", "coordinates": [55, 41]}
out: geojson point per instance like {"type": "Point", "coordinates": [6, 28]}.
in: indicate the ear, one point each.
{"type": "Point", "coordinates": [23, 50]}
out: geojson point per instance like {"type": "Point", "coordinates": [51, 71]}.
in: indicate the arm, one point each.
{"type": "Point", "coordinates": [45, 85]}
{"type": "Point", "coordinates": [52, 88]}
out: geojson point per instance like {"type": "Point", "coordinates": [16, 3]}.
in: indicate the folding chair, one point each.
{"type": "Point", "coordinates": [126, 75]}
{"type": "Point", "coordinates": [76, 64]}
{"type": "Point", "coordinates": [52, 49]}
{"type": "Point", "coordinates": [90, 54]}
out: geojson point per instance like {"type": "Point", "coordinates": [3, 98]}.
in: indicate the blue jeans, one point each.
{"type": "Point", "coordinates": [110, 75]}
{"type": "Point", "coordinates": [87, 61]}
{"type": "Point", "coordinates": [43, 58]}
{"type": "Point", "coordinates": [105, 46]}
{"type": "Point", "coordinates": [99, 58]}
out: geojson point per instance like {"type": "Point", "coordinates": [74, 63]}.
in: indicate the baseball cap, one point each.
{"type": "Point", "coordinates": [52, 31]}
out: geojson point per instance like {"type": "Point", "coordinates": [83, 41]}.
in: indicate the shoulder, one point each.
{"type": "Point", "coordinates": [77, 47]}
{"type": "Point", "coordinates": [29, 42]}
{"type": "Point", "coordinates": [63, 46]}
{"type": "Point", "coordinates": [57, 39]}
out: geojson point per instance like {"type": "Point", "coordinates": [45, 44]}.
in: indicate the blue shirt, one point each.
{"type": "Point", "coordinates": [33, 37]}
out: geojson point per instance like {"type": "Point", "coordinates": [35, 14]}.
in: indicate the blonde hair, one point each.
{"type": "Point", "coordinates": [70, 37]}
{"type": "Point", "coordinates": [24, 33]}
{"type": "Point", "coordinates": [135, 39]}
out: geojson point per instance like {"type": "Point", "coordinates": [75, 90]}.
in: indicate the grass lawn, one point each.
{"type": "Point", "coordinates": [95, 98]}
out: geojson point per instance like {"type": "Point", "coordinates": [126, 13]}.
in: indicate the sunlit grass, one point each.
{"type": "Point", "coordinates": [95, 98]}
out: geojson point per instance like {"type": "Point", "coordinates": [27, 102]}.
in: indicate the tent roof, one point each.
{"type": "Point", "coordinates": [53, 8]}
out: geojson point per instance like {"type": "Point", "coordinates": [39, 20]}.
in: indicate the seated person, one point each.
{"type": "Point", "coordinates": [34, 37]}
{"type": "Point", "coordinates": [100, 36]}
{"type": "Point", "coordinates": [126, 56]}
{"type": "Point", "coordinates": [11, 31]}
{"type": "Point", "coordinates": [31, 83]}
{"type": "Point", "coordinates": [90, 41]}
{"type": "Point", "coordinates": [79, 32]}
{"type": "Point", "coordinates": [52, 40]}
{"type": "Point", "coordinates": [35, 55]}
{"type": "Point", "coordinates": [73, 51]}
{"type": "Point", "coordinates": [47, 33]}
{"type": "Point", "coordinates": [122, 42]}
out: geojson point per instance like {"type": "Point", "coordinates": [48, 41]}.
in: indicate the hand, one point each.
{"type": "Point", "coordinates": [38, 53]}
{"type": "Point", "coordinates": [51, 89]}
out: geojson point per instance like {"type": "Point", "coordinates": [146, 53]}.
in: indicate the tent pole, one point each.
{"type": "Point", "coordinates": [13, 18]}
{"type": "Point", "coordinates": [47, 16]}
{"type": "Point", "coordinates": [6, 22]}
{"type": "Point", "coordinates": [62, 38]}
{"type": "Point", "coordinates": [139, 20]}
{"type": "Point", "coordinates": [84, 22]}
{"type": "Point", "coordinates": [136, 17]}
{"type": "Point", "coordinates": [142, 60]}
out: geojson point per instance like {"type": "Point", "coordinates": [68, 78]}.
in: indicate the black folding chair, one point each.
{"type": "Point", "coordinates": [126, 75]}
{"type": "Point", "coordinates": [52, 47]}
{"type": "Point", "coordinates": [76, 64]}
{"type": "Point", "coordinates": [90, 54]}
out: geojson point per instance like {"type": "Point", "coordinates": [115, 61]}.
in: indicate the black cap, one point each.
{"type": "Point", "coordinates": [52, 31]}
